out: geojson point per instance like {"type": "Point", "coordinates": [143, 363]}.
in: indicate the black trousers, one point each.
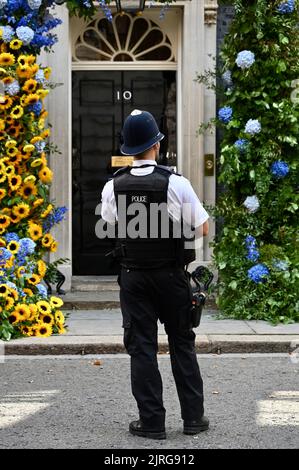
{"type": "Point", "coordinates": [145, 297]}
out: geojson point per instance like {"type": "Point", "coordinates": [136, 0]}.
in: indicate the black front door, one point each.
{"type": "Point", "coordinates": [101, 102]}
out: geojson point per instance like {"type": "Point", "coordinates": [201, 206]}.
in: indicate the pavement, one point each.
{"type": "Point", "coordinates": [100, 331]}
{"type": "Point", "coordinates": [77, 402]}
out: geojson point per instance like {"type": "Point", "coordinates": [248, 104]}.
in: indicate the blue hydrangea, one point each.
{"type": "Point", "coordinates": [252, 251]}
{"type": "Point", "coordinates": [106, 10]}
{"type": "Point", "coordinates": [250, 241]}
{"type": "Point", "coordinates": [286, 7]}
{"type": "Point", "coordinates": [3, 4]}
{"type": "Point", "coordinates": [258, 273]}
{"type": "Point", "coordinates": [225, 114]}
{"type": "Point", "coordinates": [10, 284]}
{"type": "Point", "coordinates": [42, 290]}
{"type": "Point", "coordinates": [40, 145]}
{"type": "Point", "coordinates": [12, 236]}
{"type": "Point", "coordinates": [7, 33]}
{"type": "Point", "coordinates": [36, 108]}
{"type": "Point", "coordinates": [34, 4]}
{"type": "Point", "coordinates": [280, 169]}
{"type": "Point", "coordinates": [227, 78]}
{"type": "Point", "coordinates": [253, 126]}
{"type": "Point", "coordinates": [25, 34]}
{"type": "Point", "coordinates": [12, 88]}
{"type": "Point", "coordinates": [245, 59]}
{"type": "Point", "coordinates": [27, 246]}
{"type": "Point", "coordinates": [5, 255]}
{"type": "Point", "coordinates": [56, 216]}
{"type": "Point", "coordinates": [241, 145]}
{"type": "Point", "coordinates": [280, 265]}
{"type": "Point", "coordinates": [40, 77]}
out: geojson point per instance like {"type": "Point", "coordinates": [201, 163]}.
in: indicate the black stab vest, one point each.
{"type": "Point", "coordinates": [146, 252]}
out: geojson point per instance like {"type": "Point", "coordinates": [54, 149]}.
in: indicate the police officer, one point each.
{"type": "Point", "coordinates": [153, 282]}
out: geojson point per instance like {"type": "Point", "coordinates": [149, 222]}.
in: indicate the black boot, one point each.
{"type": "Point", "coordinates": [195, 427]}
{"type": "Point", "coordinates": [137, 429]}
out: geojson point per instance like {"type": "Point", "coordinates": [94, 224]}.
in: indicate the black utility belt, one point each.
{"type": "Point", "coordinates": [198, 302]}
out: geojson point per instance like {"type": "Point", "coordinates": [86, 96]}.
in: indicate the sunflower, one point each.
{"type": "Point", "coordinates": [33, 69]}
{"type": "Point", "coordinates": [47, 211]}
{"type": "Point", "coordinates": [15, 318]}
{"type": "Point", "coordinates": [28, 148]}
{"type": "Point", "coordinates": [36, 162]}
{"type": "Point", "coordinates": [41, 125]}
{"type": "Point", "coordinates": [2, 124]}
{"type": "Point", "coordinates": [28, 190]}
{"type": "Point", "coordinates": [27, 330]}
{"type": "Point", "coordinates": [17, 112]}
{"type": "Point", "coordinates": [2, 193]}
{"type": "Point", "coordinates": [56, 302]}
{"type": "Point", "coordinates": [59, 317]}
{"type": "Point", "coordinates": [7, 59]}
{"type": "Point", "coordinates": [15, 219]}
{"type": "Point", "coordinates": [10, 170]}
{"type": "Point", "coordinates": [10, 143]}
{"type": "Point", "coordinates": [30, 179]}
{"type": "Point", "coordinates": [4, 290]}
{"type": "Point", "coordinates": [4, 221]}
{"type": "Point", "coordinates": [47, 240]}
{"type": "Point", "coordinates": [14, 131]}
{"type": "Point", "coordinates": [12, 151]}
{"type": "Point", "coordinates": [15, 44]}
{"type": "Point", "coordinates": [34, 311]}
{"type": "Point", "coordinates": [31, 59]}
{"type": "Point", "coordinates": [34, 279]}
{"type": "Point", "coordinates": [45, 175]}
{"type": "Point", "coordinates": [9, 303]}
{"type": "Point", "coordinates": [41, 267]}
{"type": "Point", "coordinates": [43, 330]}
{"type": "Point", "coordinates": [23, 310]}
{"type": "Point", "coordinates": [15, 182]}
{"type": "Point", "coordinates": [38, 202]}
{"type": "Point", "coordinates": [35, 231]}
{"type": "Point", "coordinates": [6, 102]}
{"type": "Point", "coordinates": [2, 243]}
{"type": "Point", "coordinates": [24, 71]}
{"type": "Point", "coordinates": [23, 60]}
{"type": "Point", "coordinates": [42, 93]}
{"type": "Point", "coordinates": [43, 306]}
{"type": "Point", "coordinates": [13, 247]}
{"type": "Point", "coordinates": [54, 246]}
{"type": "Point", "coordinates": [22, 210]}
{"type": "Point", "coordinates": [28, 291]}
{"type": "Point", "coordinates": [6, 211]}
{"type": "Point", "coordinates": [61, 329]}
{"type": "Point", "coordinates": [30, 85]}
{"type": "Point", "coordinates": [47, 318]}
{"type": "Point", "coordinates": [47, 72]}
{"type": "Point", "coordinates": [15, 159]}
{"type": "Point", "coordinates": [13, 294]}
{"type": "Point", "coordinates": [31, 99]}
{"type": "Point", "coordinates": [2, 135]}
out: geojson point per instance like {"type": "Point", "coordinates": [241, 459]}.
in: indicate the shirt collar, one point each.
{"type": "Point", "coordinates": [144, 162]}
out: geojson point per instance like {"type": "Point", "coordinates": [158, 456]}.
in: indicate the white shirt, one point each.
{"type": "Point", "coordinates": [179, 192]}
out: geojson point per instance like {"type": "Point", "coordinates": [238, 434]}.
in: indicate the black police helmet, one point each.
{"type": "Point", "coordinates": [140, 132]}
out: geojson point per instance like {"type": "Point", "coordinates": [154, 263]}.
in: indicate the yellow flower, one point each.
{"type": "Point", "coordinates": [30, 85]}
{"type": "Point", "coordinates": [2, 176]}
{"type": "Point", "coordinates": [41, 124]}
{"type": "Point", "coordinates": [31, 99]}
{"type": "Point", "coordinates": [15, 44]}
{"type": "Point", "coordinates": [33, 310]}
{"type": "Point", "coordinates": [7, 59]}
{"type": "Point", "coordinates": [42, 93]}
{"type": "Point", "coordinates": [28, 291]}
{"type": "Point", "coordinates": [24, 71]}
{"type": "Point", "coordinates": [61, 329]}
{"type": "Point", "coordinates": [23, 310]}
{"type": "Point", "coordinates": [22, 210]}
{"type": "Point", "coordinates": [36, 162]}
{"type": "Point", "coordinates": [31, 59]}
{"type": "Point", "coordinates": [46, 211]}
{"type": "Point", "coordinates": [43, 330]}
{"type": "Point", "coordinates": [13, 247]}
{"type": "Point", "coordinates": [34, 279]}
{"type": "Point", "coordinates": [12, 151]}
{"type": "Point", "coordinates": [2, 124]}
{"type": "Point", "coordinates": [27, 330]}
{"type": "Point", "coordinates": [47, 318]}
{"type": "Point", "coordinates": [4, 290]}
{"type": "Point", "coordinates": [45, 175]}
{"type": "Point", "coordinates": [35, 139]}
{"type": "Point", "coordinates": [2, 193]}
{"type": "Point", "coordinates": [54, 246]}
{"type": "Point", "coordinates": [2, 243]}
{"type": "Point", "coordinates": [28, 148]}
{"type": "Point", "coordinates": [47, 72]}
{"type": "Point", "coordinates": [4, 221]}
{"type": "Point", "coordinates": [6, 102]}
{"type": "Point", "coordinates": [15, 182]}
{"type": "Point", "coordinates": [10, 262]}
{"type": "Point", "coordinates": [10, 170]}
{"type": "Point", "coordinates": [41, 267]}
{"type": "Point", "coordinates": [33, 69]}
{"type": "Point", "coordinates": [47, 240]}
{"type": "Point", "coordinates": [28, 190]}
{"type": "Point", "coordinates": [38, 202]}
{"type": "Point", "coordinates": [10, 143]}
{"type": "Point", "coordinates": [23, 60]}
{"type": "Point", "coordinates": [13, 294]}
{"type": "Point", "coordinates": [15, 318]}
{"type": "Point", "coordinates": [17, 112]}
{"type": "Point", "coordinates": [9, 303]}
{"type": "Point", "coordinates": [59, 317]}
{"type": "Point", "coordinates": [35, 231]}
{"type": "Point", "coordinates": [43, 306]}
{"type": "Point", "coordinates": [56, 302]}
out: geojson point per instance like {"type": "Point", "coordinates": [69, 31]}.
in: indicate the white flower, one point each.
{"type": "Point", "coordinates": [253, 126]}
{"type": "Point", "coordinates": [34, 4]}
{"type": "Point", "coordinates": [252, 204]}
{"type": "Point", "coordinates": [25, 34]}
{"type": "Point", "coordinates": [245, 59]}
{"type": "Point", "coordinates": [3, 4]}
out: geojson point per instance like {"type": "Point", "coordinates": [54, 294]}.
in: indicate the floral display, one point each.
{"type": "Point", "coordinates": [286, 7]}
{"type": "Point", "coordinates": [252, 203]}
{"type": "Point", "coordinates": [245, 59]}
{"type": "Point", "coordinates": [280, 169]}
{"type": "Point", "coordinates": [253, 126]}
{"type": "Point", "coordinates": [225, 114]}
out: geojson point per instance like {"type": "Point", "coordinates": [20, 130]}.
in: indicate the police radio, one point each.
{"type": "Point", "coordinates": [201, 275]}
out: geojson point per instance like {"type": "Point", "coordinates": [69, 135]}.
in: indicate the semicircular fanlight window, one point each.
{"type": "Point", "coordinates": [125, 39]}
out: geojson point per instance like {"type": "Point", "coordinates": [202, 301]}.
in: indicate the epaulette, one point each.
{"type": "Point", "coordinates": [122, 170]}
